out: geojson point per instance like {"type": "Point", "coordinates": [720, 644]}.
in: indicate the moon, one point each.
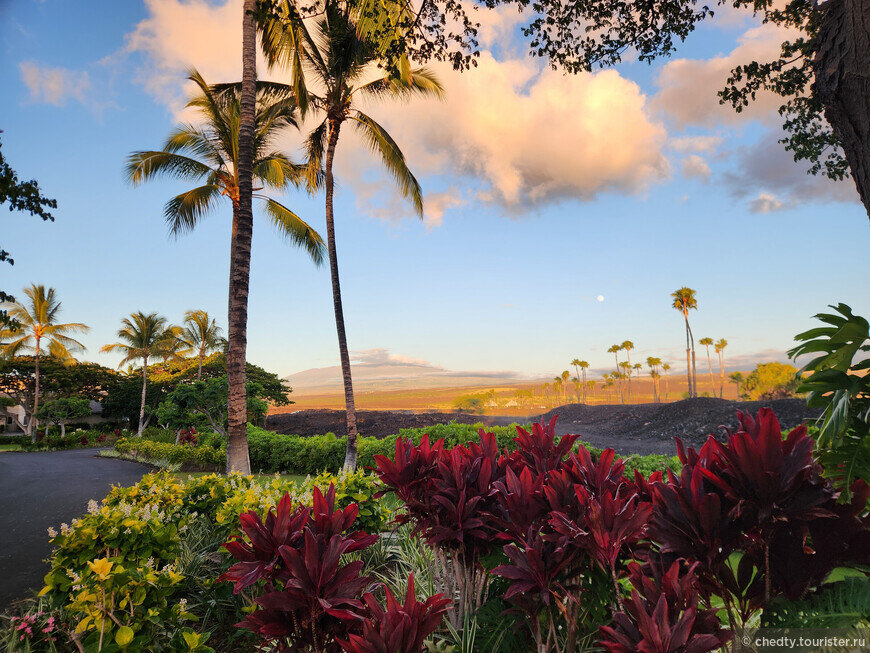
{"type": "Point", "coordinates": [600, 298]}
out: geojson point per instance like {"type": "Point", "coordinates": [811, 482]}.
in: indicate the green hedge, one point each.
{"type": "Point", "coordinates": [203, 457]}
{"type": "Point", "coordinates": [292, 454]}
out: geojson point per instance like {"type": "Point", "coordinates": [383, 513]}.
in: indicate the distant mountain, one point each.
{"type": "Point", "coordinates": [395, 376]}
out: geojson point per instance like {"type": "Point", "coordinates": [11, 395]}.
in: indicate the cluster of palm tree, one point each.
{"type": "Point", "coordinates": [332, 63]}
{"type": "Point", "coordinates": [149, 336]}
{"type": "Point", "coordinates": [143, 337]}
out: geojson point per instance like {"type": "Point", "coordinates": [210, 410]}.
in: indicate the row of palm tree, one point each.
{"type": "Point", "coordinates": [143, 336]}
{"type": "Point", "coordinates": [331, 62]}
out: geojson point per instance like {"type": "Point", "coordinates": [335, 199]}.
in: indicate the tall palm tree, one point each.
{"type": "Point", "coordinates": [576, 365]}
{"type": "Point", "coordinates": [581, 367]}
{"type": "Point", "coordinates": [142, 336]}
{"type": "Point", "coordinates": [684, 300]}
{"type": "Point", "coordinates": [615, 349]}
{"type": "Point", "coordinates": [203, 335]}
{"type": "Point", "coordinates": [627, 346]}
{"type": "Point", "coordinates": [707, 342]}
{"type": "Point", "coordinates": [666, 367]}
{"type": "Point", "coordinates": [653, 363]}
{"type": "Point", "coordinates": [720, 349]}
{"type": "Point", "coordinates": [212, 154]}
{"type": "Point", "coordinates": [335, 54]}
{"type": "Point", "coordinates": [39, 333]}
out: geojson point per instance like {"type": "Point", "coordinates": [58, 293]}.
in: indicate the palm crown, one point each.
{"type": "Point", "coordinates": [40, 332]}
{"type": "Point", "coordinates": [209, 153]}
{"type": "Point", "coordinates": [338, 59]}
{"type": "Point", "coordinates": [142, 335]}
{"type": "Point", "coordinates": [684, 299]}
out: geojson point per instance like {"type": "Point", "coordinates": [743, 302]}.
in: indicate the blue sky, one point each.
{"type": "Point", "coordinates": [540, 200]}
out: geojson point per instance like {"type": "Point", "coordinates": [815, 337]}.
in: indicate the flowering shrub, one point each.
{"type": "Point", "coordinates": [193, 457]}
{"type": "Point", "coordinates": [36, 630]}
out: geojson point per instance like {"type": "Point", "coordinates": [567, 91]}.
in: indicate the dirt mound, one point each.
{"type": "Point", "coordinates": [651, 428]}
{"type": "Point", "coordinates": [630, 429]}
{"type": "Point", "coordinates": [377, 423]}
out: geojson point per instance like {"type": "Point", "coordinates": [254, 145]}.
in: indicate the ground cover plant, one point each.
{"type": "Point", "coordinates": [544, 545]}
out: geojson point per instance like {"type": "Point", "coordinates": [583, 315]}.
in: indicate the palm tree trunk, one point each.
{"type": "Point", "coordinates": [240, 255]}
{"type": "Point", "coordinates": [34, 423]}
{"type": "Point", "coordinates": [721, 374]}
{"type": "Point", "coordinates": [199, 371]}
{"type": "Point", "coordinates": [694, 368]}
{"type": "Point", "coordinates": [710, 368]}
{"type": "Point", "coordinates": [688, 357]}
{"type": "Point", "coordinates": [144, 392]}
{"type": "Point", "coordinates": [350, 407]}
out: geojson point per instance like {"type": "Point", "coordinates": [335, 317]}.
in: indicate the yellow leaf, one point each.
{"type": "Point", "coordinates": [101, 568]}
{"type": "Point", "coordinates": [191, 639]}
{"type": "Point", "coordinates": [124, 636]}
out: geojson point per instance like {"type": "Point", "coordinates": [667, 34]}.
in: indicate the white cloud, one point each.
{"type": "Point", "coordinates": [688, 87]}
{"type": "Point", "coordinates": [382, 356]}
{"type": "Point", "coordinates": [533, 136]}
{"type": "Point", "coordinates": [54, 85]}
{"type": "Point", "coordinates": [437, 204]}
{"type": "Point", "coordinates": [704, 144]}
{"type": "Point", "coordinates": [765, 203]}
{"type": "Point", "coordinates": [694, 167]}
{"type": "Point", "coordinates": [528, 136]}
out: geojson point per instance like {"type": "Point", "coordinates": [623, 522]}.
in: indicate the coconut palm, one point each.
{"type": "Point", "coordinates": [665, 369]}
{"type": "Point", "coordinates": [41, 334]}
{"type": "Point", "coordinates": [720, 349]}
{"type": "Point", "coordinates": [707, 342]}
{"type": "Point", "coordinates": [142, 336]}
{"type": "Point", "coordinates": [653, 363]}
{"type": "Point", "coordinates": [737, 379]}
{"type": "Point", "coordinates": [576, 365]}
{"type": "Point", "coordinates": [615, 349]}
{"type": "Point", "coordinates": [627, 346]}
{"type": "Point", "coordinates": [203, 335]}
{"type": "Point", "coordinates": [581, 367]}
{"type": "Point", "coordinates": [335, 54]}
{"type": "Point", "coordinates": [210, 153]}
{"type": "Point", "coordinates": [684, 300]}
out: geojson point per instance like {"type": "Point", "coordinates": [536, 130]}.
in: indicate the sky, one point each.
{"type": "Point", "coordinates": [561, 210]}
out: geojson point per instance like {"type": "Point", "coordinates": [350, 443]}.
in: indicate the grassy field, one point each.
{"type": "Point", "coordinates": [505, 399]}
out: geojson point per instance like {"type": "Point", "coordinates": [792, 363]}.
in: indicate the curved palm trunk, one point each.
{"type": "Point", "coordinates": [694, 368]}
{"type": "Point", "coordinates": [350, 407]}
{"type": "Point", "coordinates": [144, 393]}
{"type": "Point", "coordinates": [721, 374]}
{"type": "Point", "coordinates": [34, 423]}
{"type": "Point", "coordinates": [688, 357]}
{"type": "Point", "coordinates": [240, 255]}
{"type": "Point", "coordinates": [710, 368]}
{"type": "Point", "coordinates": [199, 371]}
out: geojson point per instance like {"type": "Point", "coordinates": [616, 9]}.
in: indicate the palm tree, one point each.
{"type": "Point", "coordinates": [546, 389]}
{"type": "Point", "coordinates": [628, 345]}
{"type": "Point", "coordinates": [211, 153]}
{"type": "Point", "coordinates": [39, 333]}
{"type": "Point", "coordinates": [334, 54]}
{"type": "Point", "coordinates": [737, 379]}
{"type": "Point", "coordinates": [720, 349]}
{"type": "Point", "coordinates": [576, 365]}
{"type": "Point", "coordinates": [581, 367]}
{"type": "Point", "coordinates": [653, 364]}
{"type": "Point", "coordinates": [590, 386]}
{"type": "Point", "coordinates": [203, 335]}
{"type": "Point", "coordinates": [142, 336]}
{"type": "Point", "coordinates": [665, 369]}
{"type": "Point", "coordinates": [684, 301]}
{"type": "Point", "coordinates": [176, 348]}
{"type": "Point", "coordinates": [706, 342]}
{"type": "Point", "coordinates": [614, 349]}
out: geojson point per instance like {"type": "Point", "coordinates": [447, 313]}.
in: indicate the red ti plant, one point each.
{"type": "Point", "coordinates": [401, 628]}
{"type": "Point", "coordinates": [662, 615]}
{"type": "Point", "coordinates": [311, 598]}
{"type": "Point", "coordinates": [451, 502]}
{"type": "Point", "coordinates": [539, 450]}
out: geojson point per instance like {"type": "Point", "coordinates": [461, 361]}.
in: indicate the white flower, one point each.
{"type": "Point", "coordinates": [64, 528]}
{"type": "Point", "coordinates": [93, 507]}
{"type": "Point", "coordinates": [52, 533]}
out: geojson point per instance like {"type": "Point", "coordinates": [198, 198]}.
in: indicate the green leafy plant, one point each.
{"type": "Point", "coordinates": [838, 383]}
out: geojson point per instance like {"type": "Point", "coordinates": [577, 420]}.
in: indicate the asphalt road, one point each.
{"type": "Point", "coordinates": [43, 489]}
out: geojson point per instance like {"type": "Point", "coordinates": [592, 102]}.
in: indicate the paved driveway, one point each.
{"type": "Point", "coordinates": [43, 489]}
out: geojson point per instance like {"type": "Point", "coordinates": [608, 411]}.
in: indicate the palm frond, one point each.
{"type": "Point", "coordinates": [142, 166]}
{"type": "Point", "coordinates": [315, 149]}
{"type": "Point", "coordinates": [295, 230]}
{"type": "Point", "coordinates": [383, 144]}
{"type": "Point", "coordinates": [183, 211]}
{"type": "Point", "coordinates": [277, 171]}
